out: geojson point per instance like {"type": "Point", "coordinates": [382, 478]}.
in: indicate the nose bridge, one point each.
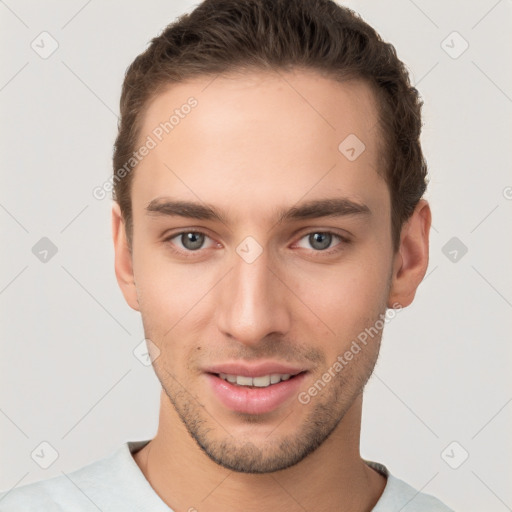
{"type": "Point", "coordinates": [252, 302]}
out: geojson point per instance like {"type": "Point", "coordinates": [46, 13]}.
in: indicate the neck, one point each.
{"type": "Point", "coordinates": [333, 477]}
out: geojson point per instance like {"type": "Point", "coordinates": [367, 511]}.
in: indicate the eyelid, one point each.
{"type": "Point", "coordinates": [344, 240]}
{"type": "Point", "coordinates": [345, 235]}
{"type": "Point", "coordinates": [171, 236]}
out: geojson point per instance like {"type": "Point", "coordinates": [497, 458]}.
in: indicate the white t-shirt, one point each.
{"type": "Point", "coordinates": [116, 484]}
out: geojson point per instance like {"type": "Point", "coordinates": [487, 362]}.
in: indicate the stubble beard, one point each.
{"type": "Point", "coordinates": [327, 410]}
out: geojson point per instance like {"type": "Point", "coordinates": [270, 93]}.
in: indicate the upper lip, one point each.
{"type": "Point", "coordinates": [254, 370]}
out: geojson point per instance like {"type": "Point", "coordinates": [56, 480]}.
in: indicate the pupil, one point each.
{"type": "Point", "coordinates": [324, 240]}
{"type": "Point", "coordinates": [192, 240]}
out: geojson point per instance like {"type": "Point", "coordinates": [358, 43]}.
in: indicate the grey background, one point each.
{"type": "Point", "coordinates": [68, 375]}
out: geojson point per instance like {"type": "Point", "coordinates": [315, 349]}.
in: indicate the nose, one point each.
{"type": "Point", "coordinates": [253, 302]}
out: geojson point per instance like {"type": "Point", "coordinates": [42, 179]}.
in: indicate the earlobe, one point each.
{"type": "Point", "coordinates": [123, 259]}
{"type": "Point", "coordinates": [411, 259]}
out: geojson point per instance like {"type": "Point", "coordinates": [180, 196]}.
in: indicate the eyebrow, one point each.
{"type": "Point", "coordinates": [331, 207]}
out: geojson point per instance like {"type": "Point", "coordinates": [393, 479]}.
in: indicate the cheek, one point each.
{"type": "Point", "coordinates": [353, 283]}
{"type": "Point", "coordinates": [343, 299]}
{"type": "Point", "coordinates": [175, 300]}
{"type": "Point", "coordinates": [158, 291]}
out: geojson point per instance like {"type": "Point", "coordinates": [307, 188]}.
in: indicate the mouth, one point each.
{"type": "Point", "coordinates": [263, 381]}
{"type": "Point", "coordinates": [257, 394]}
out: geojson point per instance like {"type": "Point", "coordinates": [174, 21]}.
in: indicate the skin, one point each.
{"type": "Point", "coordinates": [258, 142]}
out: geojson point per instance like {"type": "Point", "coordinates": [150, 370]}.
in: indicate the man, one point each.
{"type": "Point", "coordinates": [268, 215]}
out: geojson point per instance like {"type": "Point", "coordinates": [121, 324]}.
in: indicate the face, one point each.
{"type": "Point", "coordinates": [283, 258]}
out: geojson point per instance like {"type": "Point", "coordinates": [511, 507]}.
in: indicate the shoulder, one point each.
{"type": "Point", "coordinates": [410, 499]}
{"type": "Point", "coordinates": [72, 491]}
{"type": "Point", "coordinates": [55, 494]}
{"type": "Point", "coordinates": [399, 495]}
{"type": "Point", "coordinates": [113, 483]}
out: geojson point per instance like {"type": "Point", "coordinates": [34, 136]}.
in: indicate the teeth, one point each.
{"type": "Point", "coordinates": [259, 382]}
{"type": "Point", "coordinates": [243, 381]}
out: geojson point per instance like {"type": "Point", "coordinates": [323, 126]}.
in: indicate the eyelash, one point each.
{"type": "Point", "coordinates": [191, 254]}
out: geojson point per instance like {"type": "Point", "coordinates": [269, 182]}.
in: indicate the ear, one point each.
{"type": "Point", "coordinates": [123, 258]}
{"type": "Point", "coordinates": [411, 259]}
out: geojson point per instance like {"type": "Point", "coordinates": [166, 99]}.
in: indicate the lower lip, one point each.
{"type": "Point", "coordinates": [253, 400]}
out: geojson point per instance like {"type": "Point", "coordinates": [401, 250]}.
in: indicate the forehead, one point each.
{"type": "Point", "coordinates": [247, 137]}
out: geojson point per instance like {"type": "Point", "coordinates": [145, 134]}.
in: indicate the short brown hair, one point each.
{"type": "Point", "coordinates": [220, 36]}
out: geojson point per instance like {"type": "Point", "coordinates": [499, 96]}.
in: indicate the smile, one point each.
{"type": "Point", "coordinates": [259, 382]}
{"type": "Point", "coordinates": [255, 395]}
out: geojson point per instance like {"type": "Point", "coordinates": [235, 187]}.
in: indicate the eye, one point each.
{"type": "Point", "coordinates": [321, 240]}
{"type": "Point", "coordinates": [189, 241]}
